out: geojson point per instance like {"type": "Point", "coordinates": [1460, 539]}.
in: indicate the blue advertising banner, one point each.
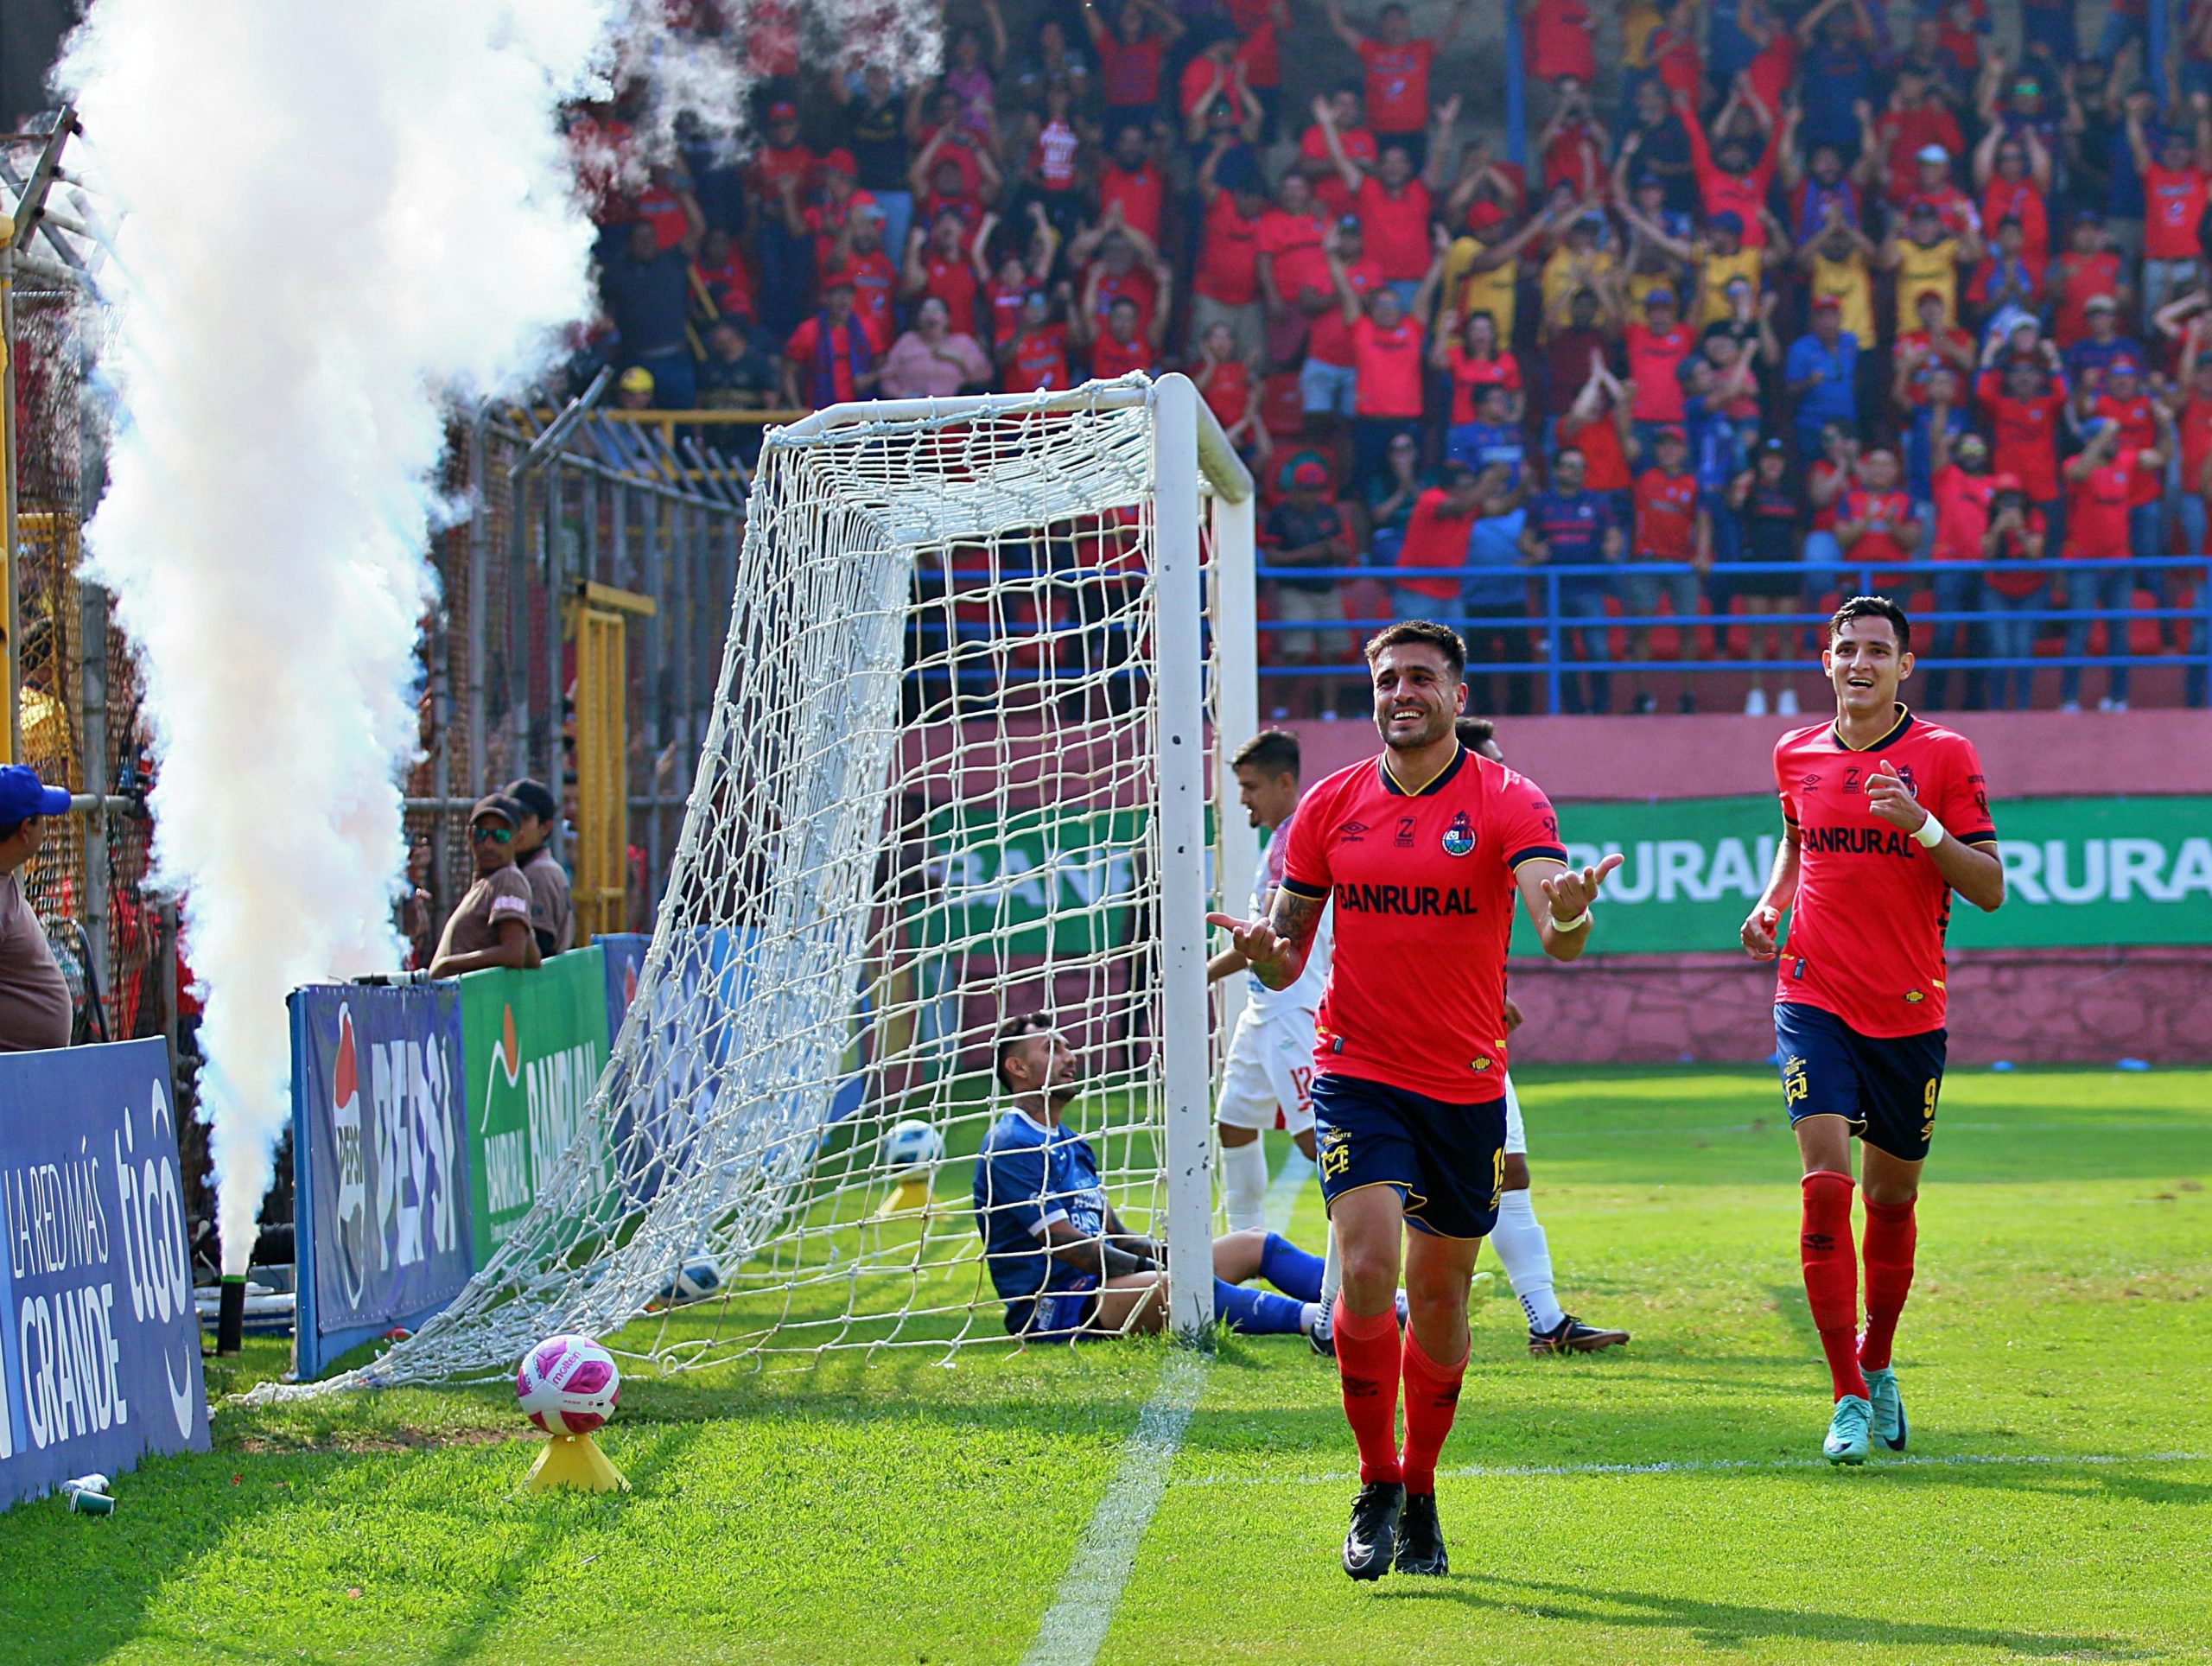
{"type": "Point", "coordinates": [100, 1349]}
{"type": "Point", "coordinates": [625, 961]}
{"type": "Point", "coordinates": [380, 1152]}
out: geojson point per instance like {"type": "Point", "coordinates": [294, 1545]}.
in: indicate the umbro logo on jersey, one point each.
{"type": "Point", "coordinates": [1353, 832]}
{"type": "Point", "coordinates": [1808, 783]}
{"type": "Point", "coordinates": [1460, 837]}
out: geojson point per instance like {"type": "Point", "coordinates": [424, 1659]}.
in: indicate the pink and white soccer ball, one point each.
{"type": "Point", "coordinates": [568, 1385]}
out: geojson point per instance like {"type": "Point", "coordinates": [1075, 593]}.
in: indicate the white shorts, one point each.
{"type": "Point", "coordinates": [1267, 1079]}
{"type": "Point", "coordinates": [1516, 1137]}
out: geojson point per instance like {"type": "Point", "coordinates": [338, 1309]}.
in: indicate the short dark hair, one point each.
{"type": "Point", "coordinates": [1273, 750]}
{"type": "Point", "coordinates": [1874, 608]}
{"type": "Point", "coordinates": [1012, 1032]}
{"type": "Point", "coordinates": [1475, 732]}
{"type": "Point", "coordinates": [1442, 637]}
{"type": "Point", "coordinates": [9, 829]}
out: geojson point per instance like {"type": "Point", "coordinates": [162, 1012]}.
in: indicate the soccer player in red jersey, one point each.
{"type": "Point", "coordinates": [1883, 817]}
{"type": "Point", "coordinates": [1423, 850]}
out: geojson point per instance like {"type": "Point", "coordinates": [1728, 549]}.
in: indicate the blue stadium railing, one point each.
{"type": "Point", "coordinates": [2193, 624]}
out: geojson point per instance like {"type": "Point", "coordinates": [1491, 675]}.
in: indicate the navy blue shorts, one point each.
{"type": "Point", "coordinates": [1447, 1162]}
{"type": "Point", "coordinates": [1884, 1086]}
{"type": "Point", "coordinates": [1055, 1316]}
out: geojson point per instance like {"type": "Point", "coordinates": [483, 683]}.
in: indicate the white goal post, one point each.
{"type": "Point", "coordinates": [987, 659]}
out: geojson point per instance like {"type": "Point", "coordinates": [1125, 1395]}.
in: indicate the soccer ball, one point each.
{"type": "Point", "coordinates": [698, 1279]}
{"type": "Point", "coordinates": [912, 1145]}
{"type": "Point", "coordinates": [568, 1385]}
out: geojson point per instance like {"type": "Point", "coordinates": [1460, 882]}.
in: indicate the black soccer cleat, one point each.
{"type": "Point", "coordinates": [1372, 1539]}
{"type": "Point", "coordinates": [1571, 1335]}
{"type": "Point", "coordinates": [1421, 1539]}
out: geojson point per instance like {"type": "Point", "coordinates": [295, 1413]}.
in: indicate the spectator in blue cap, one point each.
{"type": "Point", "coordinates": [36, 1009]}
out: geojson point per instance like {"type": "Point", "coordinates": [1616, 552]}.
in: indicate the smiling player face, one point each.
{"type": "Point", "coordinates": [1417, 697]}
{"type": "Point", "coordinates": [1863, 662]}
{"type": "Point", "coordinates": [1044, 1061]}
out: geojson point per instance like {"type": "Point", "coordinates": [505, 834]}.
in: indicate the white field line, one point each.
{"type": "Point", "coordinates": [1725, 1466]}
{"type": "Point", "coordinates": [1091, 1591]}
{"type": "Point", "coordinates": [1076, 1624]}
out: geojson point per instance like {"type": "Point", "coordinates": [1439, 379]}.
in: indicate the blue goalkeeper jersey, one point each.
{"type": "Point", "coordinates": [1027, 1176]}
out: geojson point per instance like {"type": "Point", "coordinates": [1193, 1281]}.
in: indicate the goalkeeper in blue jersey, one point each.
{"type": "Point", "coordinates": [1062, 1259]}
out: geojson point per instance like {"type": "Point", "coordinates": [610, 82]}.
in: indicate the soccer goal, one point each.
{"type": "Point", "coordinates": [963, 766]}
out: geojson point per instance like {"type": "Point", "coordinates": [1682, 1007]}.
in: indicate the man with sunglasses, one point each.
{"type": "Point", "coordinates": [492, 926]}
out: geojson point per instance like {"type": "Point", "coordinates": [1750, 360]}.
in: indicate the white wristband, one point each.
{"type": "Point", "coordinates": [1574, 924]}
{"type": "Point", "coordinates": [1929, 833]}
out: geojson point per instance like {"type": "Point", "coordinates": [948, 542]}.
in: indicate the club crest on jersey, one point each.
{"type": "Point", "coordinates": [1460, 837]}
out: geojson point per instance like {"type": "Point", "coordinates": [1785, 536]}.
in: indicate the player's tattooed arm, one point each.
{"type": "Point", "coordinates": [1275, 948]}
{"type": "Point", "coordinates": [1759, 931]}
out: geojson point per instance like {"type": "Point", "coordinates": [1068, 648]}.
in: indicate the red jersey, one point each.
{"type": "Point", "coordinates": [1229, 255]}
{"type": "Point", "coordinates": [1360, 150]}
{"type": "Point", "coordinates": [2021, 201]}
{"type": "Point", "coordinates": [1128, 70]}
{"type": "Point", "coordinates": [1741, 195]}
{"type": "Point", "coordinates": [1228, 391]}
{"type": "Point", "coordinates": [1139, 192]}
{"type": "Point", "coordinates": [729, 282]}
{"type": "Point", "coordinates": [1329, 341]}
{"type": "Point", "coordinates": [1109, 358]}
{"type": "Point", "coordinates": [2084, 276]}
{"type": "Point", "coordinates": [1903, 133]}
{"type": "Point", "coordinates": [1866, 936]}
{"type": "Point", "coordinates": [2173, 201]}
{"type": "Point", "coordinates": [874, 282]}
{"type": "Point", "coordinates": [1434, 539]}
{"type": "Point", "coordinates": [1424, 896]}
{"type": "Point", "coordinates": [1385, 369]}
{"type": "Point", "coordinates": [1469, 376]}
{"type": "Point", "coordinates": [1137, 286]}
{"type": "Point", "coordinates": [1397, 84]}
{"type": "Point", "coordinates": [2196, 425]}
{"type": "Point", "coordinates": [1292, 244]}
{"type": "Point", "coordinates": [1001, 310]}
{"type": "Point", "coordinates": [2096, 513]}
{"type": "Point", "coordinates": [1961, 512]}
{"type": "Point", "coordinates": [953, 281]}
{"type": "Point", "coordinates": [1893, 509]}
{"type": "Point", "coordinates": [1653, 360]}
{"type": "Point", "coordinates": [1666, 516]}
{"type": "Point", "coordinates": [1604, 461]}
{"type": "Point", "coordinates": [1261, 52]}
{"type": "Point", "coordinates": [1559, 40]}
{"type": "Point", "coordinates": [2024, 434]}
{"type": "Point", "coordinates": [1039, 360]}
{"type": "Point", "coordinates": [2138, 431]}
{"type": "Point", "coordinates": [806, 340]}
{"type": "Point", "coordinates": [1395, 227]}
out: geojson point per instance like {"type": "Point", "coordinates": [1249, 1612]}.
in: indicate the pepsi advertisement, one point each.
{"type": "Point", "coordinates": [99, 1348]}
{"type": "Point", "coordinates": [381, 1147]}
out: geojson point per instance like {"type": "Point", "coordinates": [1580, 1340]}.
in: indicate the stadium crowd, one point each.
{"type": "Point", "coordinates": [1814, 289]}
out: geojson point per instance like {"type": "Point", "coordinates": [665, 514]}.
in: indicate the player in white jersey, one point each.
{"type": "Point", "coordinates": [1519, 1236]}
{"type": "Point", "coordinates": [1267, 1080]}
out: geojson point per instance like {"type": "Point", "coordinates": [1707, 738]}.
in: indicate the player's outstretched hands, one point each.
{"type": "Point", "coordinates": [1888, 796]}
{"type": "Point", "coordinates": [1255, 939]}
{"type": "Point", "coordinates": [1758, 933]}
{"type": "Point", "coordinates": [1571, 893]}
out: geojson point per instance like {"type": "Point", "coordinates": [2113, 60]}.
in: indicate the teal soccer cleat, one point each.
{"type": "Point", "coordinates": [1846, 1436]}
{"type": "Point", "coordinates": [1888, 1420]}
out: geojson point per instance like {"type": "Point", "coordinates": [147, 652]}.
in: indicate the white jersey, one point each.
{"type": "Point", "coordinates": [1306, 993]}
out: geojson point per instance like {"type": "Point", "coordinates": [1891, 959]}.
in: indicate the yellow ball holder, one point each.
{"type": "Point", "coordinates": [907, 1198]}
{"type": "Point", "coordinates": [573, 1460]}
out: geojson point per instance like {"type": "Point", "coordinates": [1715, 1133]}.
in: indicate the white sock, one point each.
{"type": "Point", "coordinates": [1309, 1314]}
{"type": "Point", "coordinates": [1244, 1185]}
{"type": "Point", "coordinates": [1333, 1272]}
{"type": "Point", "coordinates": [1518, 1237]}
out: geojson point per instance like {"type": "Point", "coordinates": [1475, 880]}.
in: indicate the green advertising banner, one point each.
{"type": "Point", "coordinates": [2079, 873]}
{"type": "Point", "coordinates": [1032, 873]}
{"type": "Point", "coordinates": [532, 1045]}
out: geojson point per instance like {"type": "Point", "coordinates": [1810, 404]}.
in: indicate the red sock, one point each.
{"type": "Point", "coordinates": [1367, 1365]}
{"type": "Point", "coordinates": [1431, 1397]}
{"type": "Point", "coordinates": [1890, 1238]}
{"type": "Point", "coordinates": [1831, 1262]}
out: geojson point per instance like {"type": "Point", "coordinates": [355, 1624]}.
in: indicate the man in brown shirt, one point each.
{"type": "Point", "coordinates": [492, 926]}
{"type": "Point", "coordinates": [550, 917]}
{"type": "Point", "coordinates": [36, 1009]}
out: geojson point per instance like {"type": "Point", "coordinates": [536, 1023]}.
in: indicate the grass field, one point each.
{"type": "Point", "coordinates": [1661, 1503]}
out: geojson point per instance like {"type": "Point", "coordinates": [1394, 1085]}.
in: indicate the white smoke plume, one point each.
{"type": "Point", "coordinates": [339, 218]}
{"type": "Point", "coordinates": [338, 215]}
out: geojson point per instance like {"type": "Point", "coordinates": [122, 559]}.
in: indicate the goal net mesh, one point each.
{"type": "Point", "coordinates": [922, 808]}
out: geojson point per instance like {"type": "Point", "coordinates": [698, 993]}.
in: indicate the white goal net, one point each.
{"type": "Point", "coordinates": [958, 772]}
